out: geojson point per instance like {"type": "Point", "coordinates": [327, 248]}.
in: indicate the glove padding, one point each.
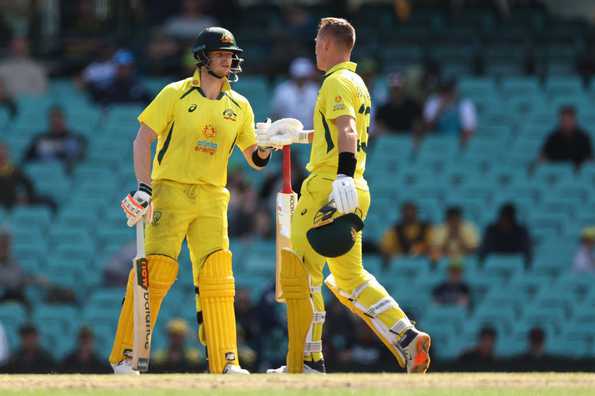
{"type": "Point", "coordinates": [280, 133]}
{"type": "Point", "coordinates": [344, 194]}
{"type": "Point", "coordinates": [136, 206]}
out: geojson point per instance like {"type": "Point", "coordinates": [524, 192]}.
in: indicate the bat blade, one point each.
{"type": "Point", "coordinates": [141, 349]}
{"type": "Point", "coordinates": [286, 203]}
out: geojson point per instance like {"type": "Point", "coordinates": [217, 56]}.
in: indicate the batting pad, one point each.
{"type": "Point", "coordinates": [305, 313]}
{"type": "Point", "coordinates": [217, 290]}
{"type": "Point", "coordinates": [371, 302]}
{"type": "Point", "coordinates": [163, 272]}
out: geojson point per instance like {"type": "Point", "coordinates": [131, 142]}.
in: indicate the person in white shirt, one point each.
{"type": "Point", "coordinates": [584, 259]}
{"type": "Point", "coordinates": [296, 97]}
{"type": "Point", "coordinates": [22, 74]}
{"type": "Point", "coordinates": [447, 113]}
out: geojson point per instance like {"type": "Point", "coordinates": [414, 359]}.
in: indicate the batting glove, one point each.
{"type": "Point", "coordinates": [137, 205]}
{"type": "Point", "coordinates": [344, 194]}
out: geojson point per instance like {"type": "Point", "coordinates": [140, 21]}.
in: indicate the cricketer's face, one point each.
{"type": "Point", "coordinates": [220, 62]}
{"type": "Point", "coordinates": [321, 50]}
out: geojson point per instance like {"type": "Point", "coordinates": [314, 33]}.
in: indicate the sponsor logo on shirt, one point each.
{"type": "Point", "coordinates": [204, 146]}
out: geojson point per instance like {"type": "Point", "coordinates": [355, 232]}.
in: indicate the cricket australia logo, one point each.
{"type": "Point", "coordinates": [229, 114]}
{"type": "Point", "coordinates": [226, 38]}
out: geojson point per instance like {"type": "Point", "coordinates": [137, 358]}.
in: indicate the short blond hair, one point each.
{"type": "Point", "coordinates": [340, 29]}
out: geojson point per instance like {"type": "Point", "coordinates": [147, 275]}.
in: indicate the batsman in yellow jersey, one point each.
{"type": "Point", "coordinates": [197, 122]}
{"type": "Point", "coordinates": [328, 219]}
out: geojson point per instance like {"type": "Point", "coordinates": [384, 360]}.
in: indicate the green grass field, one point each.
{"type": "Point", "coordinates": [460, 384]}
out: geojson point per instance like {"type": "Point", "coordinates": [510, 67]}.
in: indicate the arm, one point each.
{"type": "Point", "coordinates": [142, 153]}
{"type": "Point", "coordinates": [347, 134]}
{"type": "Point", "coordinates": [257, 157]}
{"type": "Point", "coordinates": [344, 193]}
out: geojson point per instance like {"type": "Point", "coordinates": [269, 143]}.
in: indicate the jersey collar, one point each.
{"type": "Point", "coordinates": [196, 81]}
{"type": "Point", "coordinates": [351, 66]}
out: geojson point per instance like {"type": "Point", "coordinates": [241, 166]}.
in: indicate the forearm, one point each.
{"type": "Point", "coordinates": [142, 159]}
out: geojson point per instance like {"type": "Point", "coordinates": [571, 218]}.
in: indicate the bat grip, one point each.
{"type": "Point", "coordinates": [140, 239]}
{"type": "Point", "coordinates": [286, 170]}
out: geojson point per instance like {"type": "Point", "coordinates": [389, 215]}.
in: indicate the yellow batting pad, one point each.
{"type": "Point", "coordinates": [371, 302]}
{"type": "Point", "coordinates": [296, 291]}
{"type": "Point", "coordinates": [217, 290]}
{"type": "Point", "coordinates": [163, 272]}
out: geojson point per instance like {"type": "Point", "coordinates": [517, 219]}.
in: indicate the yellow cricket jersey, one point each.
{"type": "Point", "coordinates": [343, 92]}
{"type": "Point", "coordinates": [196, 135]}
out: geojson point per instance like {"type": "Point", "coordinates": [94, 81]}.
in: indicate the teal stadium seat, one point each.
{"type": "Point", "coordinates": [57, 326]}
{"type": "Point", "coordinates": [505, 266]}
{"type": "Point", "coordinates": [38, 217]}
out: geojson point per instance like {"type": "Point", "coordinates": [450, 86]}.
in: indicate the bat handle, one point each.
{"type": "Point", "coordinates": [140, 238]}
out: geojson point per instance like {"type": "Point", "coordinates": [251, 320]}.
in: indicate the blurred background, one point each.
{"type": "Point", "coordinates": [479, 162]}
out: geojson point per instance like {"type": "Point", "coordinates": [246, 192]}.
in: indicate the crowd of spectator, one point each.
{"type": "Point", "coordinates": [419, 103]}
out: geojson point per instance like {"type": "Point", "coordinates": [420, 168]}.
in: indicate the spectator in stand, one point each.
{"type": "Point", "coordinates": [21, 74]}
{"type": "Point", "coordinates": [482, 356]}
{"type": "Point", "coordinates": [454, 290]}
{"type": "Point", "coordinates": [249, 331]}
{"type": "Point", "coordinates": [455, 238]}
{"type": "Point", "coordinates": [447, 113]}
{"type": "Point", "coordinates": [84, 359]}
{"type": "Point", "coordinates": [568, 142]}
{"type": "Point", "coordinates": [17, 188]}
{"type": "Point", "coordinates": [125, 87]}
{"type": "Point", "coordinates": [243, 214]}
{"type": "Point", "coordinates": [190, 22]}
{"type": "Point", "coordinates": [7, 102]}
{"type": "Point", "coordinates": [296, 97]}
{"type": "Point", "coordinates": [177, 357]}
{"type": "Point", "coordinates": [506, 236]}
{"type": "Point", "coordinates": [584, 258]}
{"type": "Point", "coordinates": [13, 279]}
{"type": "Point", "coordinates": [363, 352]}
{"type": "Point", "coordinates": [400, 114]}
{"type": "Point", "coordinates": [163, 54]}
{"type": "Point", "coordinates": [58, 143]}
{"type": "Point", "coordinates": [98, 75]}
{"type": "Point", "coordinates": [83, 31]}
{"type": "Point", "coordinates": [31, 358]}
{"type": "Point", "coordinates": [409, 236]}
{"type": "Point", "coordinates": [536, 358]}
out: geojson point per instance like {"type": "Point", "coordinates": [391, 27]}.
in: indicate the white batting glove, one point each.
{"type": "Point", "coordinates": [138, 205]}
{"type": "Point", "coordinates": [263, 139]}
{"type": "Point", "coordinates": [281, 133]}
{"type": "Point", "coordinates": [344, 194]}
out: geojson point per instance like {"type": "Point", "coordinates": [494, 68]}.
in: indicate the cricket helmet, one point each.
{"type": "Point", "coordinates": [217, 39]}
{"type": "Point", "coordinates": [333, 234]}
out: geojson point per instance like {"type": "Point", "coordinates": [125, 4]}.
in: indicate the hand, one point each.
{"type": "Point", "coordinates": [263, 140]}
{"type": "Point", "coordinates": [280, 133]}
{"type": "Point", "coordinates": [138, 205]}
{"type": "Point", "coordinates": [344, 194]}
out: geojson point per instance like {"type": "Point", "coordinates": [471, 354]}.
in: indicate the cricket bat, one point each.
{"type": "Point", "coordinates": [141, 348]}
{"type": "Point", "coordinates": [286, 203]}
